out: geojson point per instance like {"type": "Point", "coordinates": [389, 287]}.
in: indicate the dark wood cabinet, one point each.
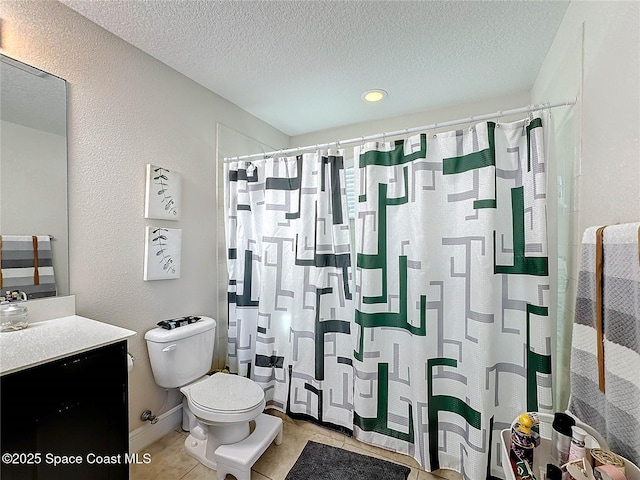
{"type": "Point", "coordinates": [73, 412]}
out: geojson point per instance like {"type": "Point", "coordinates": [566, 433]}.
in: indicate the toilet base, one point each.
{"type": "Point", "coordinates": [198, 449]}
{"type": "Point", "coordinates": [238, 458]}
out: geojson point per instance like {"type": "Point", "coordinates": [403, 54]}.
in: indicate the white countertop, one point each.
{"type": "Point", "coordinates": [50, 340]}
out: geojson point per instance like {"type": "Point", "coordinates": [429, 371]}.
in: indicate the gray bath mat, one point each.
{"type": "Point", "coordinates": [322, 462]}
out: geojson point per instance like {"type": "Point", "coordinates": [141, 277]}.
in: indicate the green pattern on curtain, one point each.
{"type": "Point", "coordinates": [452, 330]}
{"type": "Point", "coordinates": [290, 300]}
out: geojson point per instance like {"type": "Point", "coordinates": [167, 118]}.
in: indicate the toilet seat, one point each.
{"type": "Point", "coordinates": [225, 398]}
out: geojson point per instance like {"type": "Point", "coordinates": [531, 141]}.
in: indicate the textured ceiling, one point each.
{"type": "Point", "coordinates": [302, 66]}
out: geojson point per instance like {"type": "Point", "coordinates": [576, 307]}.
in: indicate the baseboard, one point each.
{"type": "Point", "coordinates": [150, 432]}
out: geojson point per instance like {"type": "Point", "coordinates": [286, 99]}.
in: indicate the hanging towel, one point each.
{"type": "Point", "coordinates": [27, 265]}
{"type": "Point", "coordinates": [605, 353]}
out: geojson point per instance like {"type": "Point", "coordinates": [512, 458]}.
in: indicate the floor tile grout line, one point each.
{"type": "Point", "coordinates": [191, 470]}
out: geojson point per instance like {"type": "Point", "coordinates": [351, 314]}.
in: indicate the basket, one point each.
{"type": "Point", "coordinates": [542, 453]}
{"type": "Point", "coordinates": [632, 471]}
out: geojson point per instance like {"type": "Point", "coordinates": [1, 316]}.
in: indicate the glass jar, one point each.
{"type": "Point", "coordinates": [13, 316]}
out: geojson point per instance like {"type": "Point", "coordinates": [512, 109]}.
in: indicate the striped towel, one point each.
{"type": "Point", "coordinates": [27, 265]}
{"type": "Point", "coordinates": [605, 361]}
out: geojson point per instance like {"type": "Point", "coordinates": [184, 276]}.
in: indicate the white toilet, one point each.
{"type": "Point", "coordinates": [217, 410]}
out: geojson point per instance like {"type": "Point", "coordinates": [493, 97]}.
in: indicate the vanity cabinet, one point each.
{"type": "Point", "coordinates": [72, 411]}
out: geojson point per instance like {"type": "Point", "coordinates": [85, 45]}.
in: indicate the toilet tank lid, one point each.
{"type": "Point", "coordinates": [162, 335]}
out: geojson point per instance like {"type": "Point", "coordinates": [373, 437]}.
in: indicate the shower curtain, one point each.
{"type": "Point", "coordinates": [447, 338]}
{"type": "Point", "coordinates": [290, 300]}
{"type": "Point", "coordinates": [452, 293]}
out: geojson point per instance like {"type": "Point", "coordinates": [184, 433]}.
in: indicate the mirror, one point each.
{"type": "Point", "coordinates": [33, 163]}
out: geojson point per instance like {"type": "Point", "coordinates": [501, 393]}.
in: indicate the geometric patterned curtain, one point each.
{"type": "Point", "coordinates": [290, 300]}
{"type": "Point", "coordinates": [452, 293]}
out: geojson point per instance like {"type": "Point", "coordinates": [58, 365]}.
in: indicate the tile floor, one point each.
{"type": "Point", "coordinates": [170, 461]}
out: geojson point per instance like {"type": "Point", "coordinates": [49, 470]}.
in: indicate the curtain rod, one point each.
{"type": "Point", "coordinates": [406, 131]}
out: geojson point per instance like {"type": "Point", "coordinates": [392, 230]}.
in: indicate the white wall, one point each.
{"type": "Point", "coordinates": [127, 109]}
{"type": "Point", "coordinates": [456, 112]}
{"type": "Point", "coordinates": [594, 56]}
{"type": "Point", "coordinates": [31, 157]}
{"type": "Point", "coordinates": [609, 173]}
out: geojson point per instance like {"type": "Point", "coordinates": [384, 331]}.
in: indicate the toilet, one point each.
{"type": "Point", "coordinates": [218, 410]}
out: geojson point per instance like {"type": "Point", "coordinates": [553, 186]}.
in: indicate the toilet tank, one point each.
{"type": "Point", "coordinates": [181, 355]}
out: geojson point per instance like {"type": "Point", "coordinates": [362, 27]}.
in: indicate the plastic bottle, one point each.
{"type": "Point", "coordinates": [561, 438]}
{"type": "Point", "coordinates": [577, 450]}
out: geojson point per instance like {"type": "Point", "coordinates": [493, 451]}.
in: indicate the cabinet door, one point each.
{"type": "Point", "coordinates": [73, 412]}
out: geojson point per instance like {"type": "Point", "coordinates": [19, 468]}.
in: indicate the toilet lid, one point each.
{"type": "Point", "coordinates": [226, 393]}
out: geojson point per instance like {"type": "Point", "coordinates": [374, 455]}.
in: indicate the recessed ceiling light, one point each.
{"type": "Point", "coordinates": [374, 95]}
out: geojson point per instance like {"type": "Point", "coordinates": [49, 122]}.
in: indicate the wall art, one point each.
{"type": "Point", "coordinates": [163, 194]}
{"type": "Point", "coordinates": [162, 253]}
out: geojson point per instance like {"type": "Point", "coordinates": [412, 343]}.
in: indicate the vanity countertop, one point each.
{"type": "Point", "coordinates": [50, 340]}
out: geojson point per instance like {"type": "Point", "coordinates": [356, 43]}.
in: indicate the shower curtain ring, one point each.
{"type": "Point", "coordinates": [532, 107]}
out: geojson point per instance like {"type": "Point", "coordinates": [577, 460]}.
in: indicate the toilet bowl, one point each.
{"type": "Point", "coordinates": [218, 410]}
{"type": "Point", "coordinates": [224, 406]}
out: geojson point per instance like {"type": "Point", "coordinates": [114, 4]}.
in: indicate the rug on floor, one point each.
{"type": "Point", "coordinates": [323, 462]}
